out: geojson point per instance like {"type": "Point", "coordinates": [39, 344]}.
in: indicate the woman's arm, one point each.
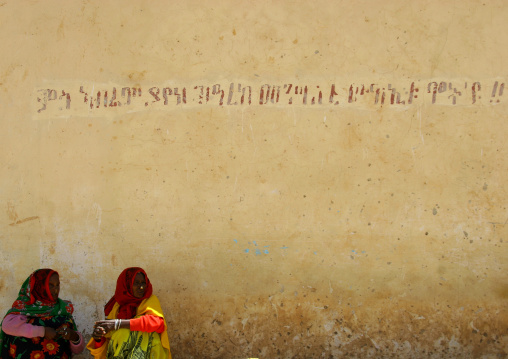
{"type": "Point", "coordinates": [79, 345]}
{"type": "Point", "coordinates": [16, 325]}
{"type": "Point", "coordinates": [146, 323]}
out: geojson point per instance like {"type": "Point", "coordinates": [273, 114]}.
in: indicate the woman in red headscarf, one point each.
{"type": "Point", "coordinates": [39, 324]}
{"type": "Point", "coordinates": [135, 323]}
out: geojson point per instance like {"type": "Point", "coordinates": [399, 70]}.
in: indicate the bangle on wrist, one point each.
{"type": "Point", "coordinates": [118, 323]}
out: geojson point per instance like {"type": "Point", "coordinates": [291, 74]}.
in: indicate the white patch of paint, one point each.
{"type": "Point", "coordinates": [416, 316]}
{"type": "Point", "coordinates": [329, 325]}
{"type": "Point", "coordinates": [454, 344]}
{"type": "Point", "coordinates": [375, 344]}
{"type": "Point", "coordinates": [471, 324]}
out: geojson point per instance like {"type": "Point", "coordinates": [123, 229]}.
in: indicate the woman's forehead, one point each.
{"type": "Point", "coordinates": [139, 276]}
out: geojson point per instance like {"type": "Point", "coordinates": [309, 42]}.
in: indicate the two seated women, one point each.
{"type": "Point", "coordinates": [40, 325]}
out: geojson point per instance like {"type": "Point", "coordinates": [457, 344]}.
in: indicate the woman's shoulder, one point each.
{"type": "Point", "coordinates": [152, 299]}
{"type": "Point", "coordinates": [14, 317]}
{"type": "Point", "coordinates": [150, 304]}
{"type": "Point", "coordinates": [69, 307]}
{"type": "Point", "coordinates": [66, 302]}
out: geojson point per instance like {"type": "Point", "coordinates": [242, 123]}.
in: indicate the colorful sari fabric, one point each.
{"type": "Point", "coordinates": [37, 304]}
{"type": "Point", "coordinates": [127, 344]}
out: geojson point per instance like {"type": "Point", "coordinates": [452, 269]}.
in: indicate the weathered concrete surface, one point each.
{"type": "Point", "coordinates": [358, 230]}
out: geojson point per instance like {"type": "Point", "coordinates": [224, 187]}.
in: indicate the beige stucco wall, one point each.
{"type": "Point", "coordinates": [274, 229]}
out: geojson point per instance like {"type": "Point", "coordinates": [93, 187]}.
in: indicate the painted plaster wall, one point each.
{"type": "Point", "coordinates": [270, 229]}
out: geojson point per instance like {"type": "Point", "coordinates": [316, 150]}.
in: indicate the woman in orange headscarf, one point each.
{"type": "Point", "coordinates": [135, 323]}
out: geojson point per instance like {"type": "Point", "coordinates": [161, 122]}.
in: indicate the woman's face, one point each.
{"type": "Point", "coordinates": [139, 286]}
{"type": "Point", "coordinates": [54, 286]}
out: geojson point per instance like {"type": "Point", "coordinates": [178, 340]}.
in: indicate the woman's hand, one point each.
{"type": "Point", "coordinates": [49, 333]}
{"type": "Point", "coordinates": [103, 327]}
{"type": "Point", "coordinates": [107, 325]}
{"type": "Point", "coordinates": [67, 333]}
{"type": "Point", "coordinates": [98, 333]}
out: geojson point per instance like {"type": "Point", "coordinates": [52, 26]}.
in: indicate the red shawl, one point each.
{"type": "Point", "coordinates": [124, 295]}
{"type": "Point", "coordinates": [39, 287]}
